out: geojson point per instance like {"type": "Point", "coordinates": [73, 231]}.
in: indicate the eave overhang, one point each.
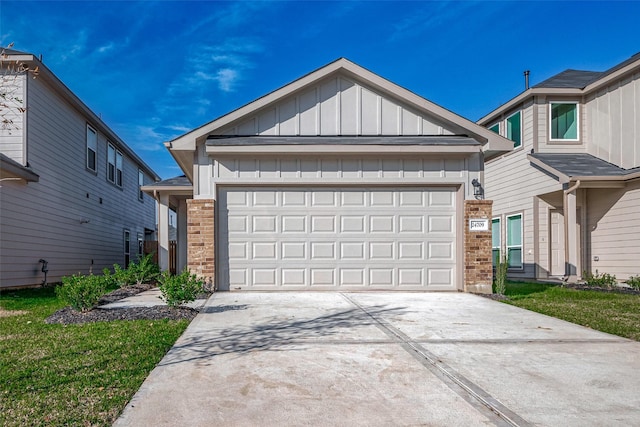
{"type": "Point", "coordinates": [587, 181]}
{"type": "Point", "coordinates": [10, 169]}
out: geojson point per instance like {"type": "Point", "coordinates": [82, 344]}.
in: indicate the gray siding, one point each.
{"type": "Point", "coordinates": [12, 134]}
{"type": "Point", "coordinates": [48, 219]}
{"type": "Point", "coordinates": [615, 223]}
{"type": "Point", "coordinates": [512, 184]}
{"type": "Point", "coordinates": [613, 122]}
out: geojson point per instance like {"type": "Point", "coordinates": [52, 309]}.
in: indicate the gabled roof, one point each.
{"type": "Point", "coordinates": [182, 147]}
{"type": "Point", "coordinates": [344, 140]}
{"type": "Point", "coordinates": [72, 98]}
{"type": "Point", "coordinates": [581, 166]}
{"type": "Point", "coordinates": [569, 82]}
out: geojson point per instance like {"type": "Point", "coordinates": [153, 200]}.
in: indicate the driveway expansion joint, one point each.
{"type": "Point", "coordinates": [495, 411]}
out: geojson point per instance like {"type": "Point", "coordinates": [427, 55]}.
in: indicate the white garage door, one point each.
{"type": "Point", "coordinates": [336, 238]}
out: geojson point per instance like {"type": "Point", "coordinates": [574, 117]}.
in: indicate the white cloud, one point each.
{"type": "Point", "coordinates": [106, 48]}
{"type": "Point", "coordinates": [226, 79]}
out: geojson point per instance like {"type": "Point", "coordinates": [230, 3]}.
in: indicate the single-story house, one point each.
{"type": "Point", "coordinates": [339, 180]}
{"type": "Point", "coordinates": [566, 200]}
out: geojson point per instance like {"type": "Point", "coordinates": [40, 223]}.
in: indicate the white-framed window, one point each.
{"type": "Point", "coordinates": [140, 184]}
{"type": "Point", "coordinates": [111, 163]}
{"type": "Point", "coordinates": [495, 128]}
{"type": "Point", "coordinates": [118, 168]}
{"type": "Point", "coordinates": [513, 129]}
{"type": "Point", "coordinates": [514, 241]}
{"type": "Point", "coordinates": [127, 247]}
{"type": "Point", "coordinates": [114, 165]}
{"type": "Point", "coordinates": [496, 240]}
{"type": "Point", "coordinates": [92, 148]}
{"type": "Point", "coordinates": [564, 123]}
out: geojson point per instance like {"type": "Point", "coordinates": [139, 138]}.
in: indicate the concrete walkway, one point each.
{"type": "Point", "coordinates": [149, 298]}
{"type": "Point", "coordinates": [387, 359]}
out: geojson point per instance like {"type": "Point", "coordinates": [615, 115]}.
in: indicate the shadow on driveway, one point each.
{"type": "Point", "coordinates": [200, 342]}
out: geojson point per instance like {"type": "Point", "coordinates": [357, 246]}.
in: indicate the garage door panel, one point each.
{"type": "Point", "coordinates": [336, 238]}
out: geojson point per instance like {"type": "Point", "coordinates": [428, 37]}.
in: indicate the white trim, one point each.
{"type": "Point", "coordinates": [499, 127]}
{"type": "Point", "coordinates": [499, 247]}
{"type": "Point", "coordinates": [577, 104]}
{"type": "Point", "coordinates": [506, 240]}
{"type": "Point", "coordinates": [95, 149]}
{"type": "Point", "coordinates": [506, 124]}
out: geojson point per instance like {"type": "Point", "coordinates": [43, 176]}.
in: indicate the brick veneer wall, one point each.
{"type": "Point", "coordinates": [478, 268]}
{"type": "Point", "coordinates": [200, 239]}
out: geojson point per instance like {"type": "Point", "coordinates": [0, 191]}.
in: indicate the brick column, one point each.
{"type": "Point", "coordinates": [200, 239]}
{"type": "Point", "coordinates": [478, 268]}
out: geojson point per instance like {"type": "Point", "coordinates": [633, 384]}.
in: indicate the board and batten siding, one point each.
{"type": "Point", "coordinates": [613, 123]}
{"type": "Point", "coordinates": [73, 218]}
{"type": "Point", "coordinates": [338, 106]}
{"type": "Point", "coordinates": [12, 134]}
{"type": "Point", "coordinates": [615, 230]}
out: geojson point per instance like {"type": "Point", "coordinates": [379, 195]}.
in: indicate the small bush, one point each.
{"type": "Point", "coordinates": [82, 292]}
{"type": "Point", "coordinates": [144, 271]}
{"type": "Point", "coordinates": [604, 280]}
{"type": "Point", "coordinates": [180, 288]}
{"type": "Point", "coordinates": [500, 280]}
{"type": "Point", "coordinates": [634, 282]}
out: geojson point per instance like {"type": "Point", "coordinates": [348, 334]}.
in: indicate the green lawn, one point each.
{"type": "Point", "coordinates": [617, 314]}
{"type": "Point", "coordinates": [84, 374]}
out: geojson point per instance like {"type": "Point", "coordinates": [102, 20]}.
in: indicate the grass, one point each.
{"type": "Point", "coordinates": [84, 374]}
{"type": "Point", "coordinates": [617, 314]}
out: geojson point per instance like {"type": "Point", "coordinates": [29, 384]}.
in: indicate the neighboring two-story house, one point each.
{"type": "Point", "coordinates": [70, 198]}
{"type": "Point", "coordinates": [567, 199]}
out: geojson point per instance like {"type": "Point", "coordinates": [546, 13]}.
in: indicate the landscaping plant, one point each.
{"type": "Point", "coordinates": [604, 280]}
{"type": "Point", "coordinates": [144, 271]}
{"type": "Point", "coordinates": [82, 292]}
{"type": "Point", "coordinates": [634, 282]}
{"type": "Point", "coordinates": [500, 280]}
{"type": "Point", "coordinates": [180, 288]}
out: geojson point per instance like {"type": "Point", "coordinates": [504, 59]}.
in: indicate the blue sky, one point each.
{"type": "Point", "coordinates": [155, 70]}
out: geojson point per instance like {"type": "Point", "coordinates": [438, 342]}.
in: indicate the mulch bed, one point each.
{"type": "Point", "coordinates": [68, 315]}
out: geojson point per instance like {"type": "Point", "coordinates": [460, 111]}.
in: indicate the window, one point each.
{"type": "Point", "coordinates": [495, 240]}
{"type": "Point", "coordinates": [118, 169]}
{"type": "Point", "coordinates": [92, 148]}
{"type": "Point", "coordinates": [140, 184]}
{"type": "Point", "coordinates": [564, 121]}
{"type": "Point", "coordinates": [495, 128]}
{"type": "Point", "coordinates": [140, 245]}
{"type": "Point", "coordinates": [514, 241]}
{"type": "Point", "coordinates": [114, 165]}
{"type": "Point", "coordinates": [111, 163]}
{"type": "Point", "coordinates": [127, 253]}
{"type": "Point", "coordinates": [514, 129]}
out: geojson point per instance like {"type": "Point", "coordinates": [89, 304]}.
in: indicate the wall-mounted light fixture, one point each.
{"type": "Point", "coordinates": [478, 191]}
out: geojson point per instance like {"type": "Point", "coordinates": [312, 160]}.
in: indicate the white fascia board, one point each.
{"type": "Point", "coordinates": [341, 149]}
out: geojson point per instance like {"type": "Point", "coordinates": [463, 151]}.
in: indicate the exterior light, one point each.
{"type": "Point", "coordinates": [478, 191]}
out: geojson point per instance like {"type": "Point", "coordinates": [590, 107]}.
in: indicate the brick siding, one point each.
{"type": "Point", "coordinates": [201, 238]}
{"type": "Point", "coordinates": [478, 268]}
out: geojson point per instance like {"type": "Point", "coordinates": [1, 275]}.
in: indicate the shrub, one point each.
{"type": "Point", "coordinates": [144, 271]}
{"type": "Point", "coordinates": [634, 282]}
{"type": "Point", "coordinates": [180, 288]}
{"type": "Point", "coordinates": [604, 280]}
{"type": "Point", "coordinates": [500, 280]}
{"type": "Point", "coordinates": [82, 292]}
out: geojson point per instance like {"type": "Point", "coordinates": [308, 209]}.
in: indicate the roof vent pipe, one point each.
{"type": "Point", "coordinates": [526, 79]}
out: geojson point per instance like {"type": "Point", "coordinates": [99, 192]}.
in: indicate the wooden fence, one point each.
{"type": "Point", "coordinates": [151, 247]}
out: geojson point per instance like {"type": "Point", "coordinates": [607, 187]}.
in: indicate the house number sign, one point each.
{"type": "Point", "coordinates": [478, 225]}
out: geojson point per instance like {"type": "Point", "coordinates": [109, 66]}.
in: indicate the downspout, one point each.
{"type": "Point", "coordinates": [565, 198]}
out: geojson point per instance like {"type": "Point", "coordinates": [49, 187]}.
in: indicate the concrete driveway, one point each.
{"type": "Point", "coordinates": [386, 359]}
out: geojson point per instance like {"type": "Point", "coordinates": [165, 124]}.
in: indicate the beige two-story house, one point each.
{"type": "Point", "coordinates": [70, 198]}
{"type": "Point", "coordinates": [567, 199]}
